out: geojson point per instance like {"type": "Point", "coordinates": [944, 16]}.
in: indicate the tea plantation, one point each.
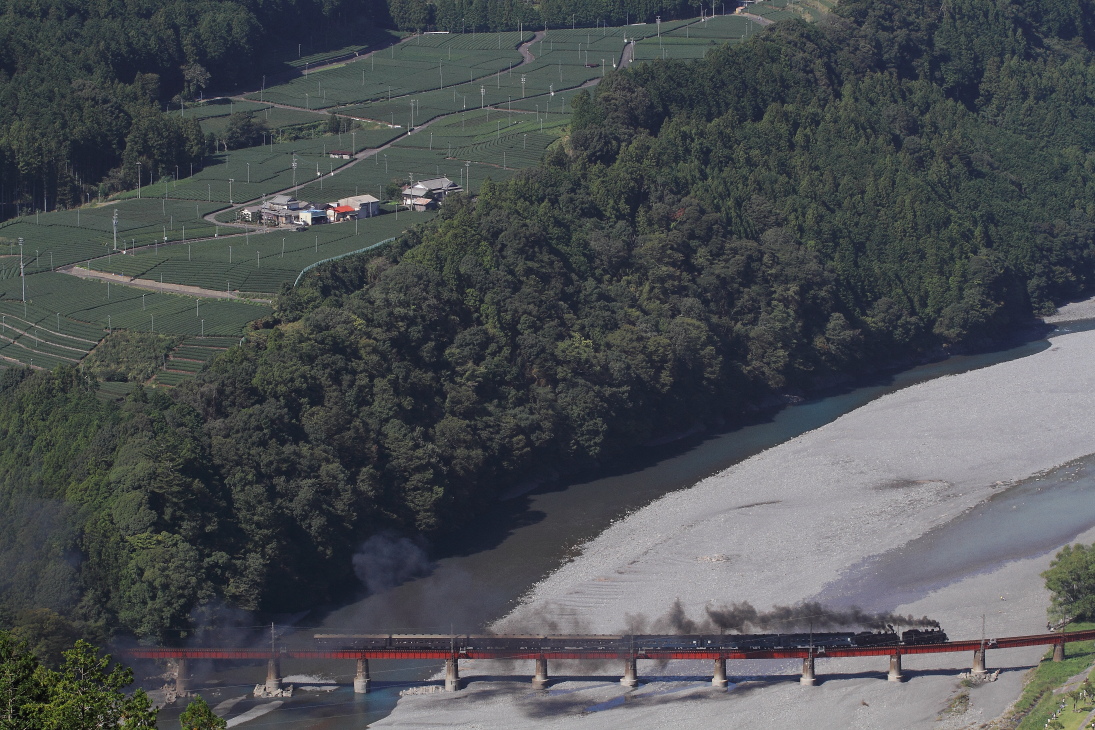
{"type": "Point", "coordinates": [466, 106]}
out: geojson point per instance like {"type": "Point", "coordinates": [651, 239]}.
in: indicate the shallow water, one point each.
{"type": "Point", "coordinates": [525, 538]}
{"type": "Point", "coordinates": [1030, 518]}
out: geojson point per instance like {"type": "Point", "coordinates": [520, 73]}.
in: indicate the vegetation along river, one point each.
{"type": "Point", "coordinates": [530, 534]}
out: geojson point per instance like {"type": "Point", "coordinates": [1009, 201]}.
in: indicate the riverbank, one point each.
{"type": "Point", "coordinates": [790, 524]}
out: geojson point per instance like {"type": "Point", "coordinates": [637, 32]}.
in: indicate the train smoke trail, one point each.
{"type": "Point", "coordinates": [744, 618]}
{"type": "Point", "coordinates": [739, 616]}
{"type": "Point", "coordinates": [386, 560]}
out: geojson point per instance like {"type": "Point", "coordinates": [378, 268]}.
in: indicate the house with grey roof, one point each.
{"type": "Point", "coordinates": [435, 189]}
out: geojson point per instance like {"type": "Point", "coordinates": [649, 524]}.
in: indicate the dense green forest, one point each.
{"type": "Point", "coordinates": [815, 202]}
{"type": "Point", "coordinates": [85, 88]}
{"type": "Point", "coordinates": [458, 16]}
{"type": "Point", "coordinates": [85, 691]}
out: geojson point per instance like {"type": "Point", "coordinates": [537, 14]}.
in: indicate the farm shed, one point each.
{"type": "Point", "coordinates": [366, 205]}
{"type": "Point", "coordinates": [313, 217]}
{"type": "Point", "coordinates": [342, 213]}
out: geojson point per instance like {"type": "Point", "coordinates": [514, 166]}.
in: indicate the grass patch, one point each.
{"type": "Point", "coordinates": [958, 704]}
{"type": "Point", "coordinates": [115, 391]}
{"type": "Point", "coordinates": [125, 356]}
{"type": "Point", "coordinates": [1038, 701]}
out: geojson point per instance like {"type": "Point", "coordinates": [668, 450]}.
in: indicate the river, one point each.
{"type": "Point", "coordinates": [524, 538]}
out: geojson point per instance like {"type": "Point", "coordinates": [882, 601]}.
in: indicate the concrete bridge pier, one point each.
{"type": "Point", "coordinates": [452, 675]}
{"type": "Point", "coordinates": [979, 663]}
{"type": "Point", "coordinates": [631, 673]}
{"type": "Point", "coordinates": [273, 674]}
{"type": "Point", "coordinates": [1059, 652]}
{"type": "Point", "coordinates": [361, 679]}
{"type": "Point", "coordinates": [808, 678]}
{"type": "Point", "coordinates": [895, 674]}
{"type": "Point", "coordinates": [718, 679]}
{"type": "Point", "coordinates": [182, 678]}
{"type": "Point", "coordinates": [540, 680]}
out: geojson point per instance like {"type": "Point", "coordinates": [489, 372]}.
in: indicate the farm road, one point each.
{"type": "Point", "coordinates": [758, 19]}
{"type": "Point", "coordinates": [527, 57]}
{"type": "Point", "coordinates": [165, 288]}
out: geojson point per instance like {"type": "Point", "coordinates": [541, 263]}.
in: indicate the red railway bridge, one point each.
{"type": "Point", "coordinates": [629, 657]}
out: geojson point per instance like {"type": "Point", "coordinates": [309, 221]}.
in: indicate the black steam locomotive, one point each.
{"type": "Point", "coordinates": [615, 643]}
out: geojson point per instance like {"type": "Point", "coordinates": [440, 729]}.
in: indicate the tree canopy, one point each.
{"type": "Point", "coordinates": [88, 90]}
{"type": "Point", "coordinates": [817, 202]}
{"type": "Point", "coordinates": [1070, 581]}
{"type": "Point", "coordinates": [199, 716]}
{"type": "Point", "coordinates": [86, 693]}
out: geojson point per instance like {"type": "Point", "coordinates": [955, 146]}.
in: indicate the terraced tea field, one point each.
{"type": "Point", "coordinates": [94, 307]}
{"type": "Point", "coordinates": [415, 65]}
{"type": "Point", "coordinates": [477, 114]}
{"type": "Point", "coordinates": [695, 40]}
{"type": "Point", "coordinates": [67, 237]}
{"type": "Point", "coordinates": [190, 357]}
{"type": "Point", "coordinates": [254, 263]}
{"type": "Point", "coordinates": [501, 139]}
{"type": "Point", "coordinates": [42, 341]}
{"type": "Point", "coordinates": [784, 9]}
{"type": "Point", "coordinates": [248, 174]}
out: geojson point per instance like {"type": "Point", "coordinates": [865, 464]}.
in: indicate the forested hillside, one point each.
{"type": "Point", "coordinates": [91, 94]}
{"type": "Point", "coordinates": [812, 203]}
{"type": "Point", "coordinates": [84, 86]}
{"type": "Point", "coordinates": [459, 16]}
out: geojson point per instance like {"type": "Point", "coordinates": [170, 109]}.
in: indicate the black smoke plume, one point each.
{"type": "Point", "coordinates": [744, 618]}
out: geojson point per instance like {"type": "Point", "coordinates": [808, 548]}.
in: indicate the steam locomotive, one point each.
{"type": "Point", "coordinates": [617, 643]}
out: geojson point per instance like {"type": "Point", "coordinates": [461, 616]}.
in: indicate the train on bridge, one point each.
{"type": "Point", "coordinates": [541, 649]}
{"type": "Point", "coordinates": [639, 643]}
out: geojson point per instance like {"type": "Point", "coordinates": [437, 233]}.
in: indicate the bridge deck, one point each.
{"type": "Point", "coordinates": [1009, 642]}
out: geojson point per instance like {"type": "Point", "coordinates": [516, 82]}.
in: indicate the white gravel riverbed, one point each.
{"type": "Point", "coordinates": [778, 528]}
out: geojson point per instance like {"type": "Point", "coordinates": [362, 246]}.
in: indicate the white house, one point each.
{"type": "Point", "coordinates": [366, 205]}
{"type": "Point", "coordinates": [313, 217]}
{"type": "Point", "coordinates": [283, 202]}
{"type": "Point", "coordinates": [435, 189]}
{"type": "Point", "coordinates": [251, 215]}
{"type": "Point", "coordinates": [340, 213]}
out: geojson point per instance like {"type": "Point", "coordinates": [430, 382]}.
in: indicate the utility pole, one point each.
{"type": "Point", "coordinates": [115, 229]}
{"type": "Point", "coordinates": [22, 276]}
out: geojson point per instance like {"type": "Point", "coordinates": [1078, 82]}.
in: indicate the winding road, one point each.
{"type": "Point", "coordinates": [527, 57]}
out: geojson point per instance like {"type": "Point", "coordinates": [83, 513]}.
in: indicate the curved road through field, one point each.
{"type": "Point", "coordinates": [527, 57]}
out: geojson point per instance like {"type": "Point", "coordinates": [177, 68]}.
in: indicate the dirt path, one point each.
{"type": "Point", "coordinates": [759, 20]}
{"type": "Point", "coordinates": [527, 56]}
{"type": "Point", "coordinates": [526, 48]}
{"type": "Point", "coordinates": [526, 53]}
{"type": "Point", "coordinates": [628, 56]}
{"type": "Point", "coordinates": [156, 286]}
